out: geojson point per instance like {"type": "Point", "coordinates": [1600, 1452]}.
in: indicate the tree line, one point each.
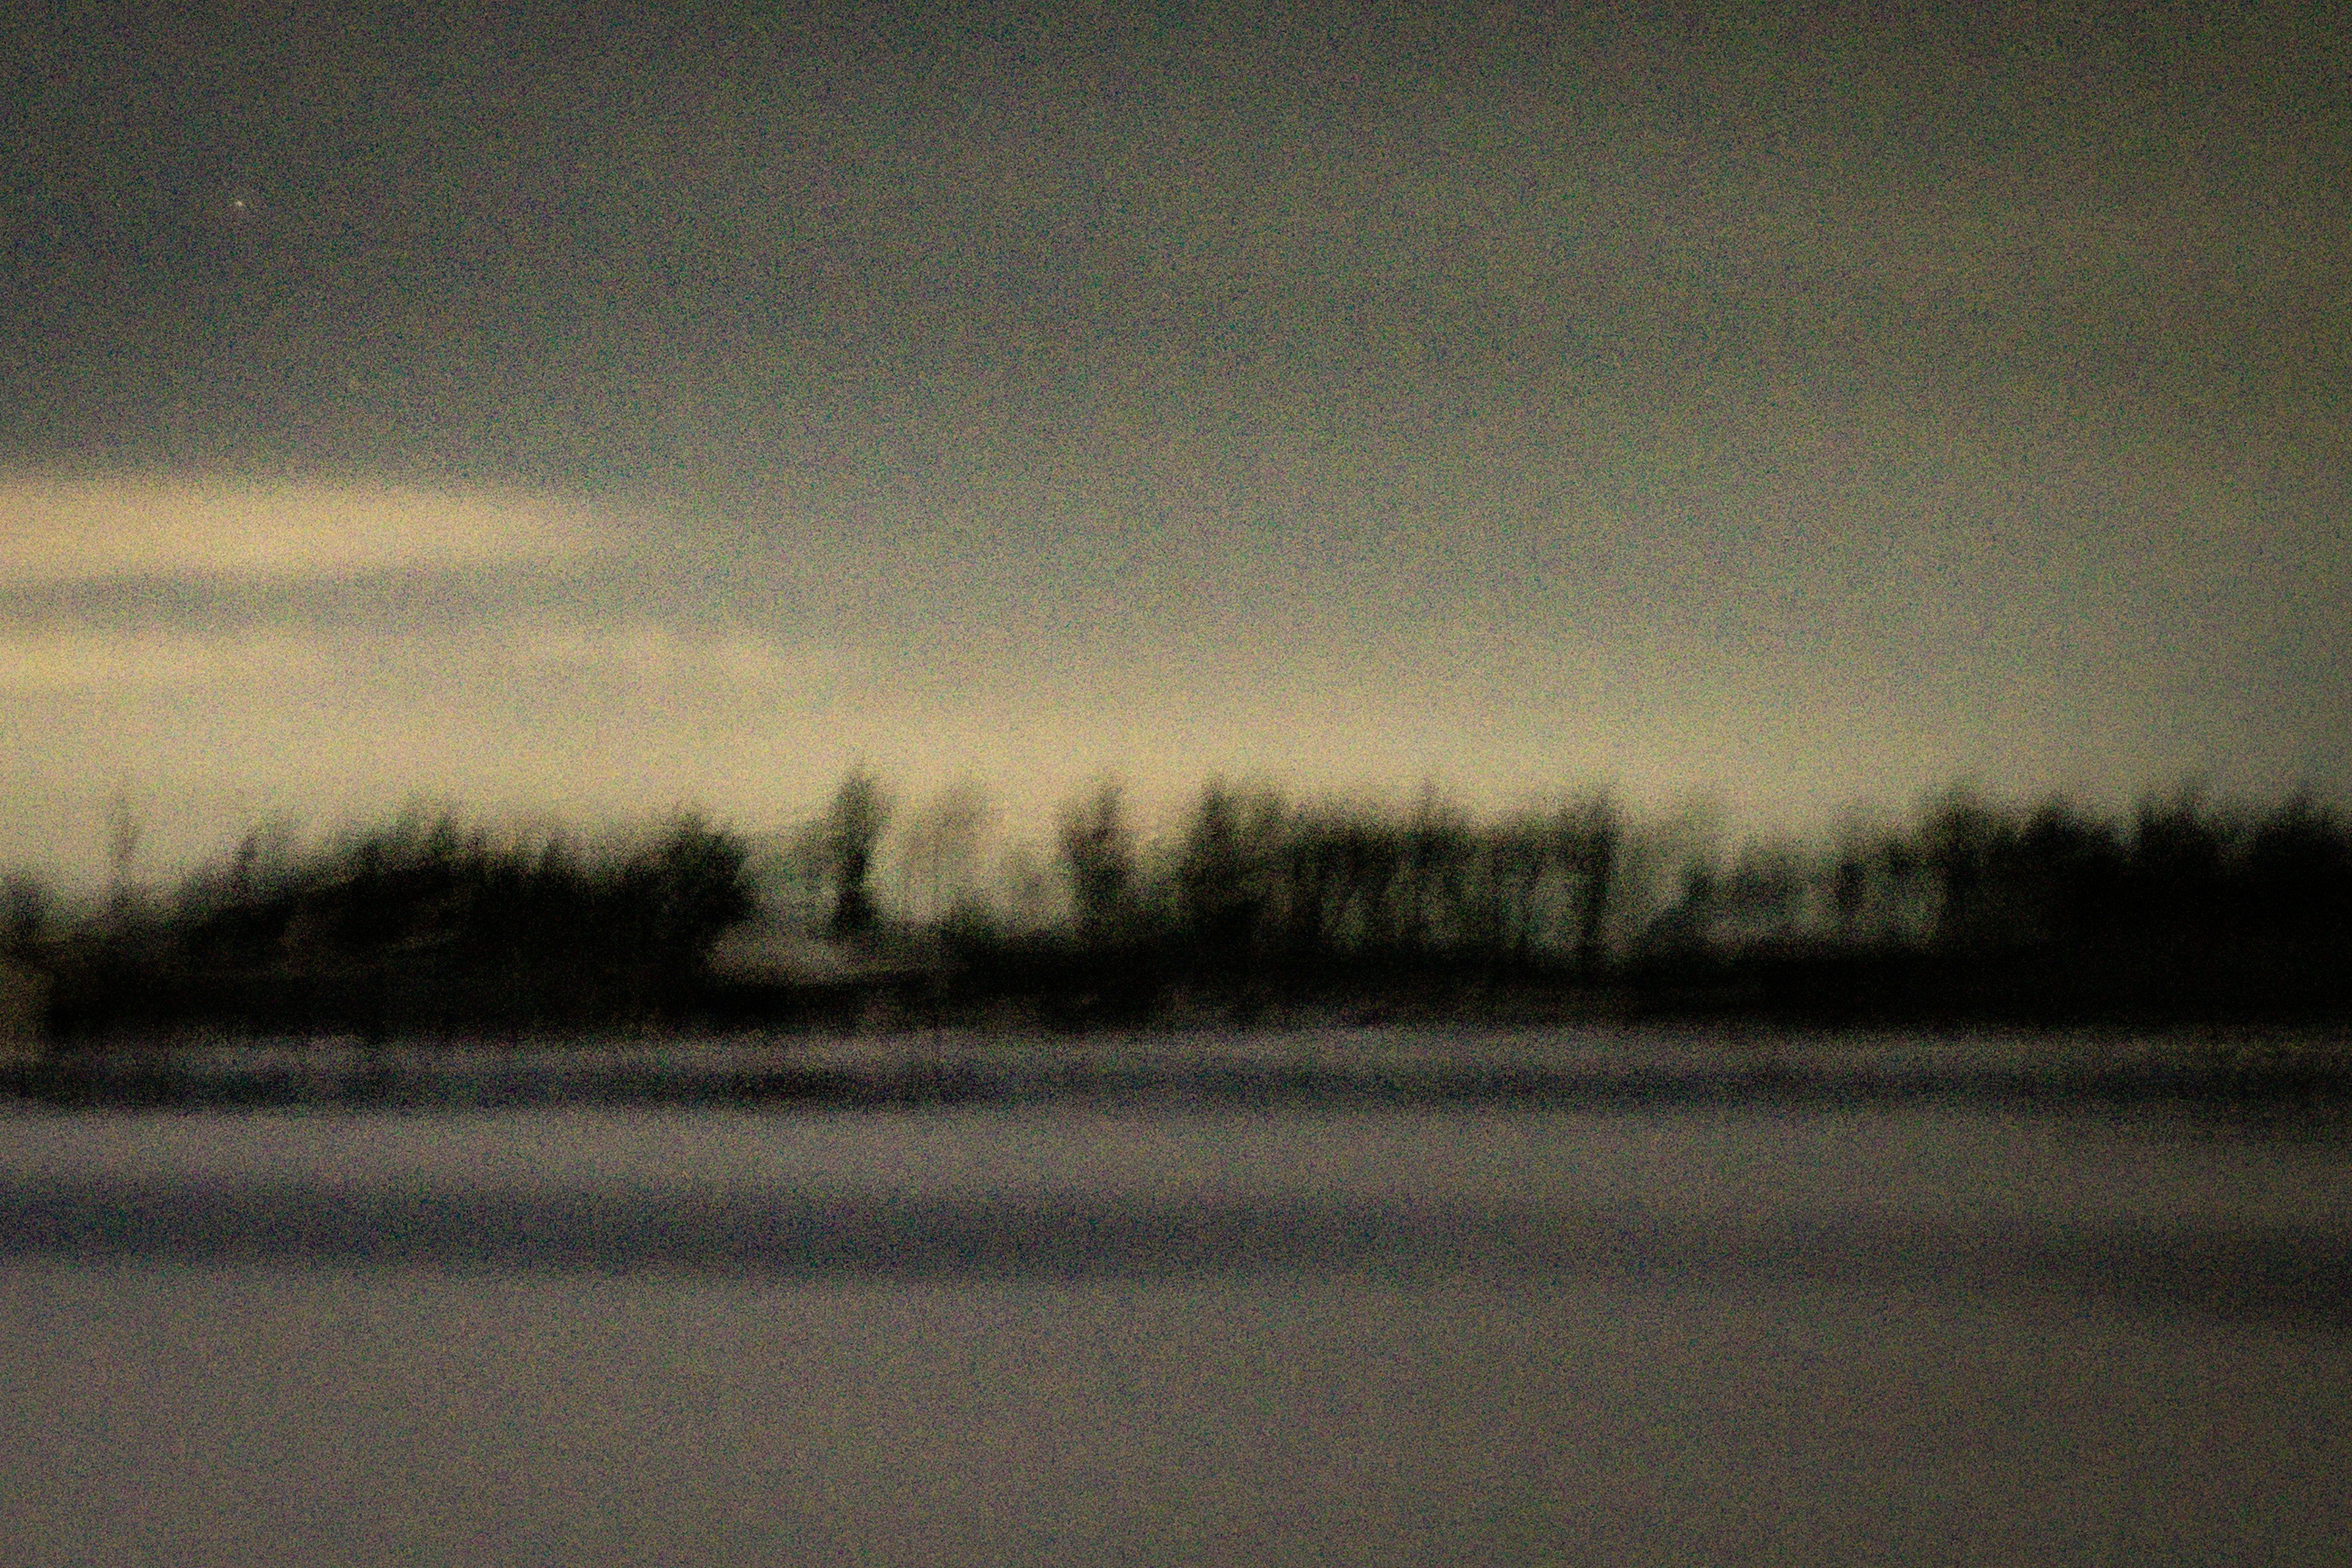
{"type": "Point", "coordinates": [2183, 908]}
{"type": "Point", "coordinates": [424, 925]}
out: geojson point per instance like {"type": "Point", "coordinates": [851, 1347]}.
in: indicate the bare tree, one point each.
{"type": "Point", "coordinates": [1098, 849]}
{"type": "Point", "coordinates": [1230, 853]}
{"type": "Point", "coordinates": [940, 850]}
{"type": "Point", "coordinates": [126, 826]}
{"type": "Point", "coordinates": [1593, 835]}
{"type": "Point", "coordinates": [852, 825]}
{"type": "Point", "coordinates": [26, 901]}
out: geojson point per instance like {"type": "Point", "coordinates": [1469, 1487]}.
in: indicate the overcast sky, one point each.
{"type": "Point", "coordinates": [1795, 410]}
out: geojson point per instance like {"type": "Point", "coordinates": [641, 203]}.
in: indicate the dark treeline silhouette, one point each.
{"type": "Point", "coordinates": [424, 927]}
{"type": "Point", "coordinates": [1256, 901]}
{"type": "Point", "coordinates": [2185, 908]}
{"type": "Point", "coordinates": [2183, 911]}
{"type": "Point", "coordinates": [1252, 905]}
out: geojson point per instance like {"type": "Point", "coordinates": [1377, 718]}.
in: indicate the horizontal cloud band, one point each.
{"type": "Point", "coordinates": [53, 531]}
{"type": "Point", "coordinates": [102, 661]}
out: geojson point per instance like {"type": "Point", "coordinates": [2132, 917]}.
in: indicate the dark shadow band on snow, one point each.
{"type": "Point", "coordinates": [2267, 1274]}
{"type": "Point", "coordinates": [159, 1082]}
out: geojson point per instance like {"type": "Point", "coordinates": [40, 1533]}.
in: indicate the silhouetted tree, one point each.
{"type": "Point", "coordinates": [1319, 875]}
{"type": "Point", "coordinates": [940, 852]}
{"type": "Point", "coordinates": [1438, 852]}
{"type": "Point", "coordinates": [1371, 853]}
{"type": "Point", "coordinates": [699, 891]}
{"type": "Point", "coordinates": [126, 828]}
{"type": "Point", "coordinates": [26, 902]}
{"type": "Point", "coordinates": [1592, 840]}
{"type": "Point", "coordinates": [2071, 873]}
{"type": "Point", "coordinates": [2298, 869]}
{"type": "Point", "coordinates": [1098, 851]}
{"type": "Point", "coordinates": [1502, 913]}
{"type": "Point", "coordinates": [853, 825]}
{"type": "Point", "coordinates": [1229, 846]}
{"type": "Point", "coordinates": [1962, 842]}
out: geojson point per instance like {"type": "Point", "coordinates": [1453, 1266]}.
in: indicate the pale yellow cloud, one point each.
{"type": "Point", "coordinates": [64, 530]}
{"type": "Point", "coordinates": [684, 665]}
{"type": "Point", "coordinates": [70, 661]}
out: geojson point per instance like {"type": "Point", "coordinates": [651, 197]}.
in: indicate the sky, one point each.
{"type": "Point", "coordinates": [1786, 407]}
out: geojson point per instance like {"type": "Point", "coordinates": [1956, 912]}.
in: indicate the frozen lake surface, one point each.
{"type": "Point", "coordinates": [1076, 1333]}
